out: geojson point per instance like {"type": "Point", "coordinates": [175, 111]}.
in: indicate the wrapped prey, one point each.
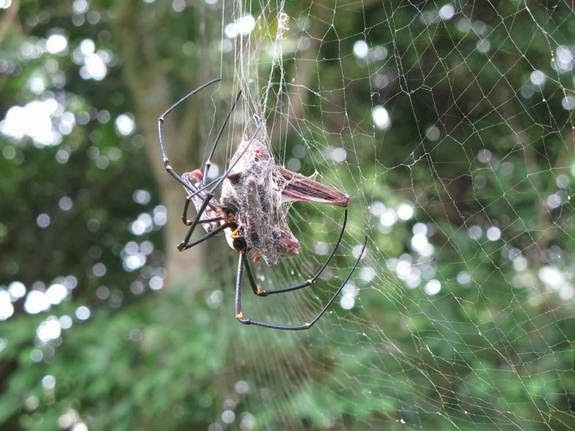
{"type": "Point", "coordinates": [258, 193]}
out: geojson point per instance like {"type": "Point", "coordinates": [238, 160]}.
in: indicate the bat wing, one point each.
{"type": "Point", "coordinates": [298, 187]}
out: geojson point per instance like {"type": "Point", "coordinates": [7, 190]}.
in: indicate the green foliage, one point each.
{"type": "Point", "coordinates": [132, 367]}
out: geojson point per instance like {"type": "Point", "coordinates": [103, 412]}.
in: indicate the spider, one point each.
{"type": "Point", "coordinates": [251, 210]}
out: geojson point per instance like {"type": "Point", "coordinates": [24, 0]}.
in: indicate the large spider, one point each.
{"type": "Point", "coordinates": [252, 210]}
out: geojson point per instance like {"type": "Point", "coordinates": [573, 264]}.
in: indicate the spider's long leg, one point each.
{"type": "Point", "coordinates": [309, 281]}
{"type": "Point", "coordinates": [246, 321]}
{"type": "Point", "coordinates": [189, 222]}
{"type": "Point", "coordinates": [251, 279]}
{"type": "Point", "coordinates": [184, 245]}
{"type": "Point", "coordinates": [161, 119]}
{"type": "Point", "coordinates": [238, 302]}
{"type": "Point", "coordinates": [208, 162]}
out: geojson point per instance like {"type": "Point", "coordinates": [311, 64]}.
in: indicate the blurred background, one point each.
{"type": "Point", "coordinates": [450, 123]}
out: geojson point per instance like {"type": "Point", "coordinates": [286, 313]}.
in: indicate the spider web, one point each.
{"type": "Point", "coordinates": [451, 126]}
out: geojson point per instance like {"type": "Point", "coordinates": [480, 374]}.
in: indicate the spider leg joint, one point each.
{"type": "Point", "coordinates": [182, 246]}
{"type": "Point", "coordinates": [261, 292]}
{"type": "Point", "coordinates": [242, 319]}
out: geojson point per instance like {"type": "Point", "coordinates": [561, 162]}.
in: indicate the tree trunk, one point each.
{"type": "Point", "coordinates": [180, 266]}
{"type": "Point", "coordinates": [152, 93]}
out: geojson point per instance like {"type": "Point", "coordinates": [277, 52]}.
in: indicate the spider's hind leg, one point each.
{"type": "Point", "coordinates": [243, 264]}
{"type": "Point", "coordinates": [238, 303]}
{"type": "Point", "coordinates": [309, 281]}
{"type": "Point", "coordinates": [253, 284]}
{"type": "Point", "coordinates": [247, 321]}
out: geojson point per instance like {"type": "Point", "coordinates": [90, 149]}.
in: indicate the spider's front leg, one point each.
{"type": "Point", "coordinates": [162, 119]}
{"type": "Point", "coordinates": [194, 178]}
{"type": "Point", "coordinates": [187, 244]}
{"type": "Point", "coordinates": [208, 162]}
{"type": "Point", "coordinates": [201, 206]}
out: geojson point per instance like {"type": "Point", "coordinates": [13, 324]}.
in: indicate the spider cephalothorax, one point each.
{"type": "Point", "coordinates": [252, 210]}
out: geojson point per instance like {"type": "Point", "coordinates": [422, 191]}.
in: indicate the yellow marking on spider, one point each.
{"type": "Point", "coordinates": [236, 233]}
{"type": "Point", "coordinates": [240, 316]}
